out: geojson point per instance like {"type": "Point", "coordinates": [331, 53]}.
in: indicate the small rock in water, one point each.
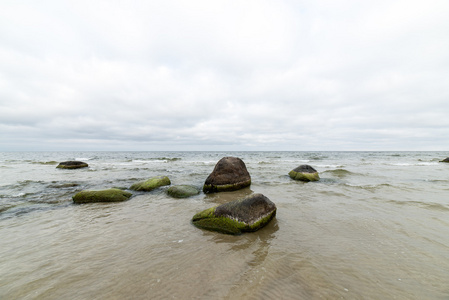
{"type": "Point", "coordinates": [446, 160]}
{"type": "Point", "coordinates": [73, 164]}
{"type": "Point", "coordinates": [244, 215]}
{"type": "Point", "coordinates": [110, 195]}
{"type": "Point", "coordinates": [182, 191]}
{"type": "Point", "coordinates": [151, 184]}
{"type": "Point", "coordinates": [304, 173]}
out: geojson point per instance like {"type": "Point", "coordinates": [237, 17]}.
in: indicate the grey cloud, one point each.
{"type": "Point", "coordinates": [327, 75]}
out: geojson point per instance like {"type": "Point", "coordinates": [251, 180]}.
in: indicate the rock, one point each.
{"type": "Point", "coordinates": [446, 160]}
{"type": "Point", "coordinates": [73, 164]}
{"type": "Point", "coordinates": [151, 184]}
{"type": "Point", "coordinates": [229, 174]}
{"type": "Point", "coordinates": [304, 173]}
{"type": "Point", "coordinates": [182, 191]}
{"type": "Point", "coordinates": [110, 195]}
{"type": "Point", "coordinates": [244, 215]}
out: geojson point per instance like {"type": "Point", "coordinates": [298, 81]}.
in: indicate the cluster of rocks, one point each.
{"type": "Point", "coordinates": [230, 174]}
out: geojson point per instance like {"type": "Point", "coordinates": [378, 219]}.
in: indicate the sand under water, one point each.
{"type": "Point", "coordinates": [376, 226]}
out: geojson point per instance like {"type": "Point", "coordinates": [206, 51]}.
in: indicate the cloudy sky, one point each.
{"type": "Point", "coordinates": [224, 75]}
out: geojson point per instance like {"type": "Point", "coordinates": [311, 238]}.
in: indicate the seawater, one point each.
{"type": "Point", "coordinates": [376, 226]}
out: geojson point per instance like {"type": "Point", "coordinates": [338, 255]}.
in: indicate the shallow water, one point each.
{"type": "Point", "coordinates": [375, 226]}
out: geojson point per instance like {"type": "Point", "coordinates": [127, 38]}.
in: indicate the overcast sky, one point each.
{"type": "Point", "coordinates": [224, 75]}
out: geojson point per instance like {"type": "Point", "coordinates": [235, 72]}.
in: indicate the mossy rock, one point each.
{"type": "Point", "coordinates": [110, 195]}
{"type": "Point", "coordinates": [229, 174]}
{"type": "Point", "coordinates": [73, 164]}
{"type": "Point", "coordinates": [182, 191]}
{"type": "Point", "coordinates": [304, 173]}
{"type": "Point", "coordinates": [446, 160]}
{"type": "Point", "coordinates": [244, 215]}
{"type": "Point", "coordinates": [151, 184]}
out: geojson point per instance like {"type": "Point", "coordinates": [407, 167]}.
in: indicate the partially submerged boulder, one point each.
{"type": "Point", "coordinates": [151, 184]}
{"type": "Point", "coordinates": [110, 195]}
{"type": "Point", "coordinates": [446, 160]}
{"type": "Point", "coordinates": [182, 191]}
{"type": "Point", "coordinates": [72, 164]}
{"type": "Point", "coordinates": [304, 173]}
{"type": "Point", "coordinates": [229, 174]}
{"type": "Point", "coordinates": [244, 215]}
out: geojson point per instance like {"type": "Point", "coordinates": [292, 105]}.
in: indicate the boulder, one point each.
{"type": "Point", "coordinates": [304, 173]}
{"type": "Point", "coordinates": [151, 184]}
{"type": "Point", "coordinates": [72, 164]}
{"type": "Point", "coordinates": [110, 195]}
{"type": "Point", "coordinates": [244, 215]}
{"type": "Point", "coordinates": [446, 160]}
{"type": "Point", "coordinates": [182, 191]}
{"type": "Point", "coordinates": [229, 174]}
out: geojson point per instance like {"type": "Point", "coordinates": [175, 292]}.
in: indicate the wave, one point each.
{"type": "Point", "coordinates": [369, 187]}
{"type": "Point", "coordinates": [157, 159]}
{"type": "Point", "coordinates": [414, 164]}
{"type": "Point", "coordinates": [63, 185]}
{"type": "Point", "coordinates": [52, 162]}
{"type": "Point", "coordinates": [430, 205]}
{"type": "Point", "coordinates": [339, 172]}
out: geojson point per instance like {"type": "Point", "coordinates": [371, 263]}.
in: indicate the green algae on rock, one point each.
{"type": "Point", "coordinates": [229, 174]}
{"type": "Point", "coordinates": [244, 215]}
{"type": "Point", "coordinates": [182, 191]}
{"type": "Point", "coordinates": [73, 164]}
{"type": "Point", "coordinates": [151, 184]}
{"type": "Point", "coordinates": [446, 160]}
{"type": "Point", "coordinates": [110, 195]}
{"type": "Point", "coordinates": [304, 173]}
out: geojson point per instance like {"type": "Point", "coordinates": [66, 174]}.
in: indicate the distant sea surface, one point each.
{"type": "Point", "coordinates": [376, 226]}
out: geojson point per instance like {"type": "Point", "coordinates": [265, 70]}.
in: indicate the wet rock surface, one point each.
{"type": "Point", "coordinates": [244, 215]}
{"type": "Point", "coordinates": [72, 164]}
{"type": "Point", "coordinates": [304, 173]}
{"type": "Point", "coordinates": [151, 184]}
{"type": "Point", "coordinates": [229, 174]}
{"type": "Point", "coordinates": [109, 195]}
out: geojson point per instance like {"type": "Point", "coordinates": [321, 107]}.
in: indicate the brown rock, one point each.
{"type": "Point", "coordinates": [229, 174]}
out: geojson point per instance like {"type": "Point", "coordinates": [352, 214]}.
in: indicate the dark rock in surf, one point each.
{"type": "Point", "coordinates": [110, 195]}
{"type": "Point", "coordinates": [304, 173]}
{"type": "Point", "coordinates": [73, 164]}
{"type": "Point", "coordinates": [244, 215]}
{"type": "Point", "coordinates": [182, 191]}
{"type": "Point", "coordinates": [446, 160]}
{"type": "Point", "coordinates": [151, 184]}
{"type": "Point", "coordinates": [229, 174]}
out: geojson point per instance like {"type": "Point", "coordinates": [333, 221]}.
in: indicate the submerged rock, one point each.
{"type": "Point", "coordinates": [229, 174]}
{"type": "Point", "coordinates": [151, 184]}
{"type": "Point", "coordinates": [446, 160]}
{"type": "Point", "coordinates": [72, 164]}
{"type": "Point", "coordinates": [182, 191]}
{"type": "Point", "coordinates": [244, 215]}
{"type": "Point", "coordinates": [110, 195]}
{"type": "Point", "coordinates": [304, 173]}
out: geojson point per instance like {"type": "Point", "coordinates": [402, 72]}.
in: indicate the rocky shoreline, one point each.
{"type": "Point", "coordinates": [229, 174]}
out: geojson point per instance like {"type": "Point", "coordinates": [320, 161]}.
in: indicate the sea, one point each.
{"type": "Point", "coordinates": [375, 226]}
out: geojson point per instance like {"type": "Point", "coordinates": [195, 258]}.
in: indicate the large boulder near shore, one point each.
{"type": "Point", "coordinates": [151, 184]}
{"type": "Point", "coordinates": [244, 215]}
{"type": "Point", "coordinates": [229, 174]}
{"type": "Point", "coordinates": [304, 173]}
{"type": "Point", "coordinates": [72, 164]}
{"type": "Point", "coordinates": [182, 191]}
{"type": "Point", "coordinates": [446, 160]}
{"type": "Point", "coordinates": [110, 195]}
